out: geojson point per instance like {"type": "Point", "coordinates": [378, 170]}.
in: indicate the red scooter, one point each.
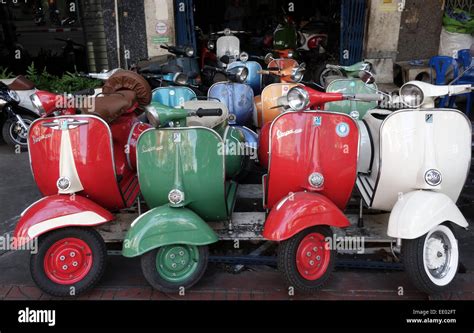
{"type": "Point", "coordinates": [84, 164]}
{"type": "Point", "coordinates": [305, 98]}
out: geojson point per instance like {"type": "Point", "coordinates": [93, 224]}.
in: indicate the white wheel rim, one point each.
{"type": "Point", "coordinates": [440, 255]}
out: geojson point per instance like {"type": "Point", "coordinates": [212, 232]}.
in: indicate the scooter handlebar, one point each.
{"type": "Point", "coordinates": [85, 92]}
{"type": "Point", "coordinates": [366, 97]}
{"type": "Point", "coordinates": [208, 113]}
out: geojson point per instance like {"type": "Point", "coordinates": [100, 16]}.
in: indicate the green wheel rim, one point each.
{"type": "Point", "coordinates": [176, 263]}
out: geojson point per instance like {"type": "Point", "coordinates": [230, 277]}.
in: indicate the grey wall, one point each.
{"type": "Point", "coordinates": [132, 30]}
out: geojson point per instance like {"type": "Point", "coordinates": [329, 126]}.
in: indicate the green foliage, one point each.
{"type": "Point", "coordinates": [69, 82]}
{"type": "Point", "coordinates": [5, 73]}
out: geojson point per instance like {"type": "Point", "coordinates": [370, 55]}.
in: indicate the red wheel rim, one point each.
{"type": "Point", "coordinates": [312, 256]}
{"type": "Point", "coordinates": [68, 261]}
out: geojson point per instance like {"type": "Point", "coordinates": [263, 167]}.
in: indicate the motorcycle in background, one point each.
{"type": "Point", "coordinates": [15, 118]}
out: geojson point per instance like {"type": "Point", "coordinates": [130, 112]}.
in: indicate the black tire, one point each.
{"type": "Point", "coordinates": [287, 261]}
{"type": "Point", "coordinates": [8, 129]}
{"type": "Point", "coordinates": [151, 274]}
{"type": "Point", "coordinates": [413, 260]}
{"type": "Point", "coordinates": [99, 253]}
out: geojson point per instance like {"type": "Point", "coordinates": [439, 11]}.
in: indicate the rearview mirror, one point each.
{"type": "Point", "coordinates": [269, 58]}
{"type": "Point", "coordinates": [367, 77]}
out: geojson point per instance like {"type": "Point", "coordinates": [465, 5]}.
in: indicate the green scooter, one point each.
{"type": "Point", "coordinates": [327, 73]}
{"type": "Point", "coordinates": [172, 238]}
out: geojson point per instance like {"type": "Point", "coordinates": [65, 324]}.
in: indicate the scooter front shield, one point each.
{"type": "Point", "coordinates": [356, 109]}
{"type": "Point", "coordinates": [314, 152]}
{"type": "Point", "coordinates": [173, 96]}
{"type": "Point", "coordinates": [72, 154]}
{"type": "Point", "coordinates": [184, 167]}
{"type": "Point", "coordinates": [238, 98]}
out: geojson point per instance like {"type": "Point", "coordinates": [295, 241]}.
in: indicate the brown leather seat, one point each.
{"type": "Point", "coordinates": [110, 107]}
{"type": "Point", "coordinates": [21, 83]}
{"type": "Point", "coordinates": [127, 80]}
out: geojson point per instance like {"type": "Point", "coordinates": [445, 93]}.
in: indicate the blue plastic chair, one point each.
{"type": "Point", "coordinates": [441, 65]}
{"type": "Point", "coordinates": [465, 61]}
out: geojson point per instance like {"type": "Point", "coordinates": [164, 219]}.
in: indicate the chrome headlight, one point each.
{"type": "Point", "coordinates": [242, 74]}
{"type": "Point", "coordinates": [298, 99]}
{"type": "Point", "coordinates": [37, 103]}
{"type": "Point", "coordinates": [412, 95]}
{"type": "Point", "coordinates": [152, 116]}
{"type": "Point", "coordinates": [189, 51]}
{"type": "Point", "coordinates": [298, 73]}
{"type": "Point", "coordinates": [180, 79]}
{"type": "Point", "coordinates": [433, 177]}
{"type": "Point", "coordinates": [227, 32]}
{"type": "Point", "coordinates": [244, 57]}
{"type": "Point", "coordinates": [176, 197]}
{"type": "Point", "coordinates": [14, 96]}
{"type": "Point", "coordinates": [316, 180]}
{"type": "Point", "coordinates": [211, 45]}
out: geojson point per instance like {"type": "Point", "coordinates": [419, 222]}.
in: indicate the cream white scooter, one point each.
{"type": "Point", "coordinates": [414, 163]}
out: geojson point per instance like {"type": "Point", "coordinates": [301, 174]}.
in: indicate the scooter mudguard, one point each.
{"type": "Point", "coordinates": [299, 211]}
{"type": "Point", "coordinates": [239, 99]}
{"type": "Point", "coordinates": [57, 212]}
{"type": "Point", "coordinates": [173, 96]}
{"type": "Point", "coordinates": [356, 109]}
{"type": "Point", "coordinates": [416, 213]}
{"type": "Point", "coordinates": [254, 79]}
{"type": "Point", "coordinates": [165, 226]}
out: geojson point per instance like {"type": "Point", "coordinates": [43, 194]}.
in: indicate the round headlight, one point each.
{"type": "Point", "coordinates": [244, 57]}
{"type": "Point", "coordinates": [291, 54]}
{"type": "Point", "coordinates": [14, 96]}
{"type": "Point", "coordinates": [152, 116]}
{"type": "Point", "coordinates": [433, 177]}
{"type": "Point", "coordinates": [412, 95]}
{"type": "Point", "coordinates": [176, 197]}
{"type": "Point", "coordinates": [242, 74]}
{"type": "Point", "coordinates": [298, 74]}
{"type": "Point", "coordinates": [180, 79]}
{"type": "Point", "coordinates": [189, 51]}
{"type": "Point", "coordinates": [316, 180]}
{"type": "Point", "coordinates": [227, 32]}
{"type": "Point", "coordinates": [37, 104]}
{"type": "Point", "coordinates": [298, 99]}
{"type": "Point", "coordinates": [211, 45]}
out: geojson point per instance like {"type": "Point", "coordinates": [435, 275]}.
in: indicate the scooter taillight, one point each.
{"type": "Point", "coordinates": [315, 42]}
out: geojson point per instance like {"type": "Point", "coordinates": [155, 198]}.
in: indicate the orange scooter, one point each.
{"type": "Point", "coordinates": [289, 73]}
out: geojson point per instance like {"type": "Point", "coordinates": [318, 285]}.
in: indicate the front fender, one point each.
{"type": "Point", "coordinates": [416, 213]}
{"type": "Point", "coordinates": [56, 212]}
{"type": "Point", "coordinates": [300, 211]}
{"type": "Point", "coordinates": [165, 226]}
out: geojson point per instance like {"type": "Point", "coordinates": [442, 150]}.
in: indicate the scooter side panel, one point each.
{"type": "Point", "coordinates": [238, 98]}
{"type": "Point", "coordinates": [78, 150]}
{"type": "Point", "coordinates": [306, 143]}
{"type": "Point", "coordinates": [254, 79]}
{"type": "Point", "coordinates": [413, 142]}
{"type": "Point", "coordinates": [351, 86]}
{"type": "Point", "coordinates": [188, 159]}
{"type": "Point", "coordinates": [173, 96]}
